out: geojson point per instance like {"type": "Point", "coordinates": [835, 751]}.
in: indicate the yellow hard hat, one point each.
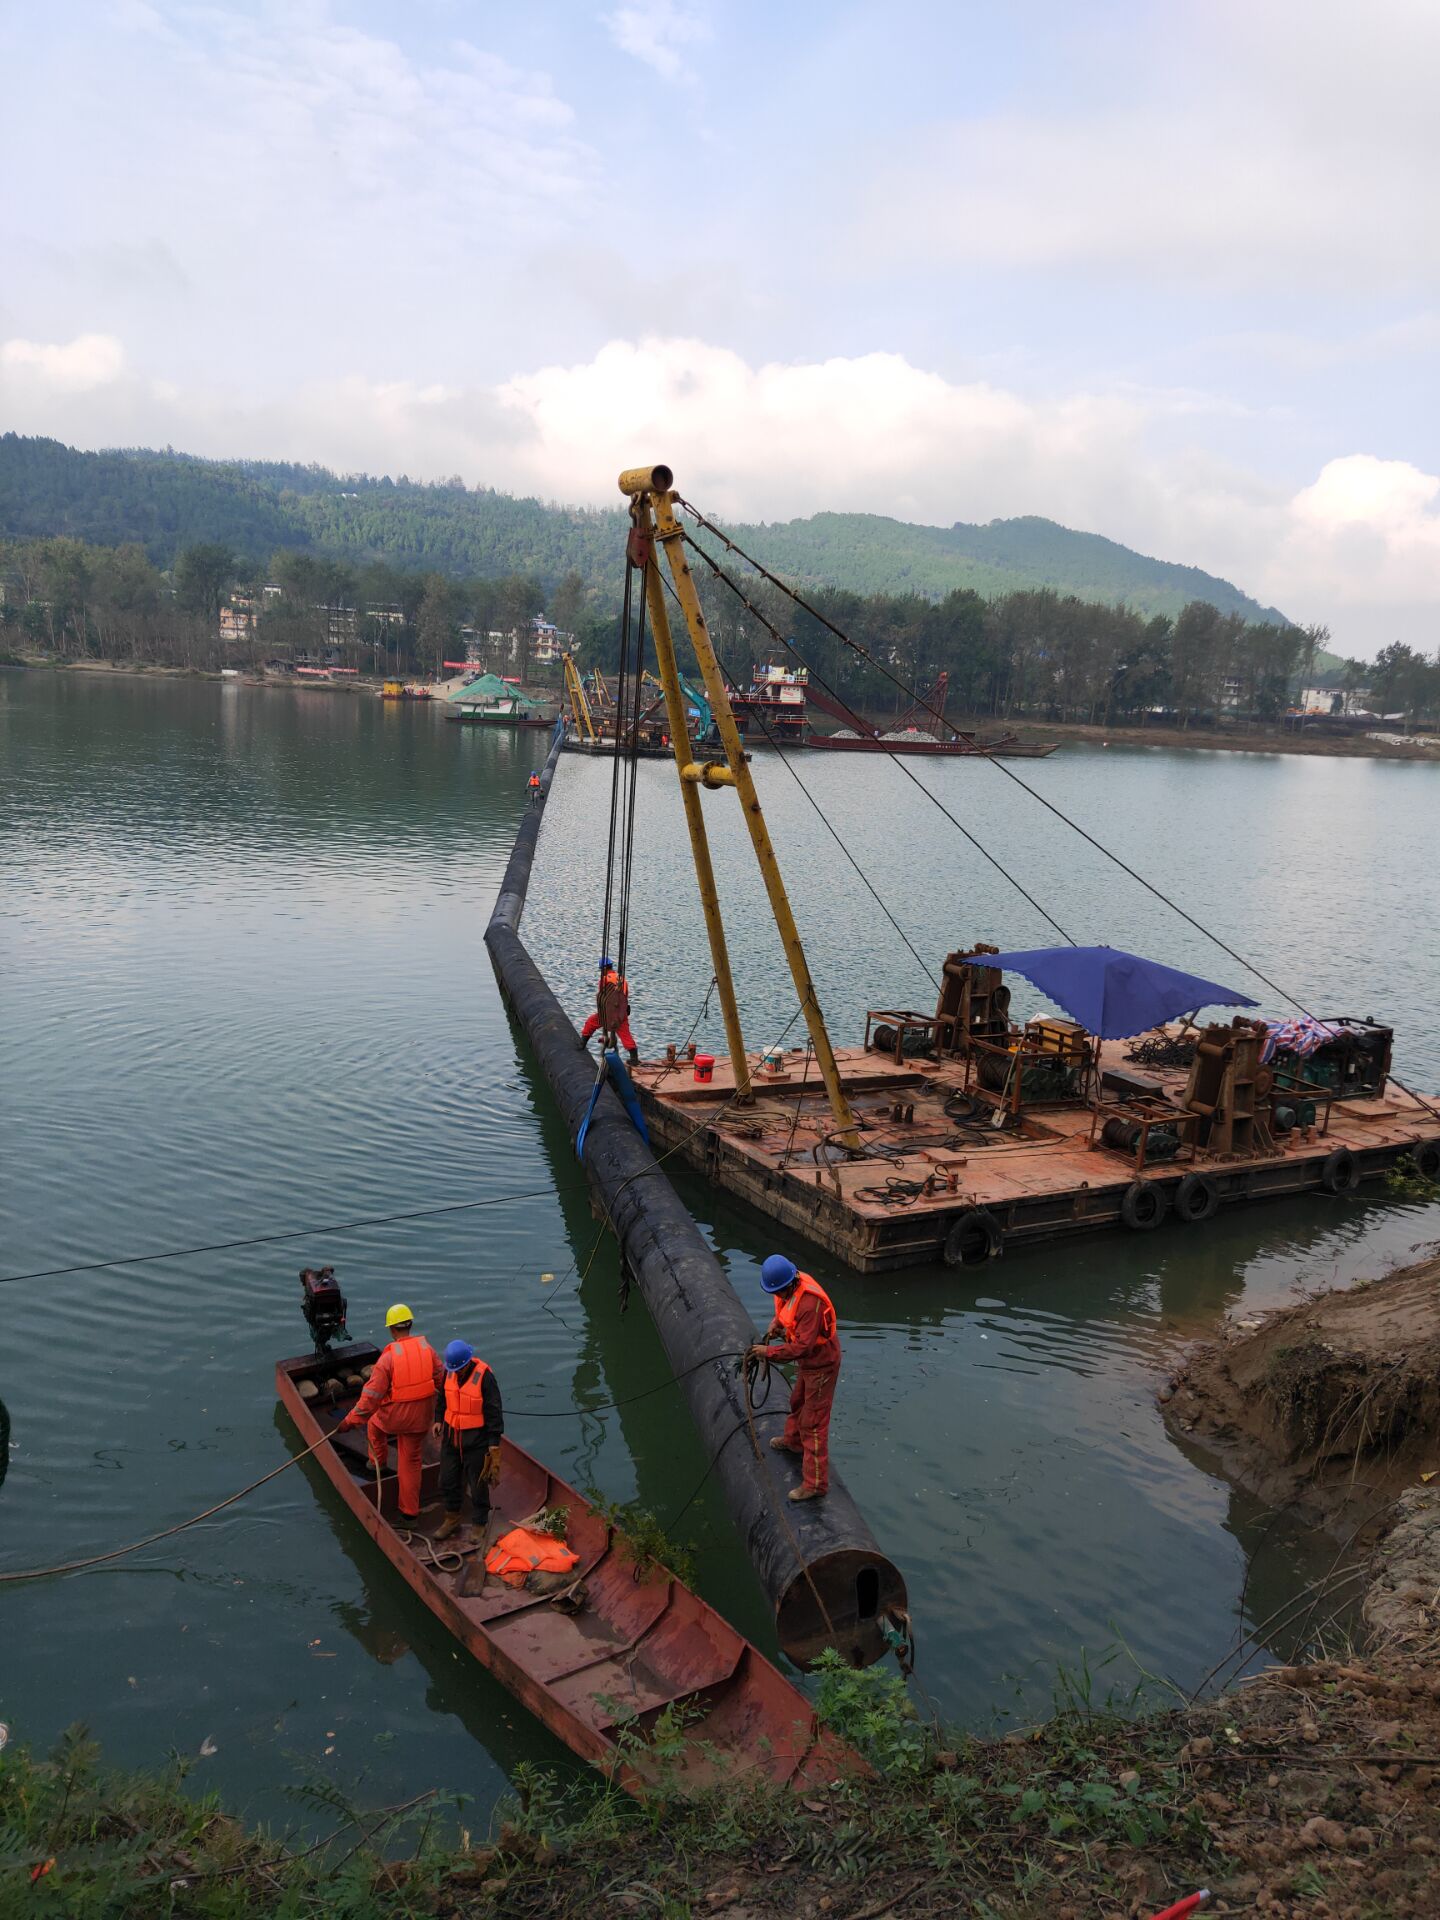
{"type": "Point", "coordinates": [399, 1316]}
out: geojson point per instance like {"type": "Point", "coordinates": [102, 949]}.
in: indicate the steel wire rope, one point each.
{"type": "Point", "coordinates": [895, 759]}
{"type": "Point", "coordinates": [919, 700]}
{"type": "Point", "coordinates": [293, 1233]}
{"type": "Point", "coordinates": [819, 810]}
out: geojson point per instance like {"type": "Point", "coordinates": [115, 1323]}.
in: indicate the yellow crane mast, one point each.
{"type": "Point", "coordinates": [650, 491]}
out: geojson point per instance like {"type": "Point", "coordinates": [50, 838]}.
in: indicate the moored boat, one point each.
{"type": "Point", "coordinates": [623, 1648]}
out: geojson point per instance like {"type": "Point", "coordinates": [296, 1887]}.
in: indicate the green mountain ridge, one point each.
{"type": "Point", "coordinates": [163, 501]}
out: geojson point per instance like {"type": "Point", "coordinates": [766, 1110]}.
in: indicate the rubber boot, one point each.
{"type": "Point", "coordinates": [449, 1526]}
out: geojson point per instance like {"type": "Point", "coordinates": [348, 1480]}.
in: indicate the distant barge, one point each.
{"type": "Point", "coordinates": [979, 1136]}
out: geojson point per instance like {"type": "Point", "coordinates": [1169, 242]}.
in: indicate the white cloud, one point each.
{"type": "Point", "coordinates": [89, 361]}
{"type": "Point", "coordinates": [1228, 147]}
{"type": "Point", "coordinates": [1358, 548]}
{"type": "Point", "coordinates": [657, 33]}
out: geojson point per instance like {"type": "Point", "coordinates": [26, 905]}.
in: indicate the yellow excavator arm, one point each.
{"type": "Point", "coordinates": [579, 705]}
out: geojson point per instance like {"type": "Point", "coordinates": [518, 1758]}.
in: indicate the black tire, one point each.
{"type": "Point", "coordinates": [1196, 1198]}
{"type": "Point", "coordinates": [1426, 1156]}
{"type": "Point", "coordinates": [1143, 1207]}
{"type": "Point", "coordinates": [1340, 1173]}
{"type": "Point", "coordinates": [974, 1238]}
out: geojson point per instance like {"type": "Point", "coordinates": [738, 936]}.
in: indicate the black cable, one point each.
{"type": "Point", "coordinates": [606, 1406]}
{"type": "Point", "coordinates": [268, 1239]}
{"type": "Point", "coordinates": [790, 647]}
{"type": "Point", "coordinates": [819, 811]}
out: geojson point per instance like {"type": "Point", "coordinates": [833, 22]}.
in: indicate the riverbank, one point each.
{"type": "Point", "coordinates": [1310, 1791]}
{"type": "Point", "coordinates": [1031, 733]}
{"type": "Point", "coordinates": [1230, 740]}
{"type": "Point", "coordinates": [1330, 1407]}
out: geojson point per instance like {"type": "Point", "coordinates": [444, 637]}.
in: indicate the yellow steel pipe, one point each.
{"type": "Point", "coordinates": [689, 794]}
{"type": "Point", "coordinates": [707, 775]}
{"type": "Point", "coordinates": [672, 539]}
{"type": "Point", "coordinates": [646, 480]}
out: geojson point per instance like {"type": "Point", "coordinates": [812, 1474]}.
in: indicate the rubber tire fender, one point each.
{"type": "Point", "coordinates": [1144, 1206]}
{"type": "Point", "coordinates": [1426, 1156]}
{"type": "Point", "coordinates": [1196, 1198]}
{"type": "Point", "coordinates": [1340, 1173]}
{"type": "Point", "coordinates": [974, 1238]}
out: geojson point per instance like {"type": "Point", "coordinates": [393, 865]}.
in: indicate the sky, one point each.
{"type": "Point", "coordinates": [1167, 272]}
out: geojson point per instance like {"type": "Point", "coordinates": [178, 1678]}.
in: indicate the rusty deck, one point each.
{"type": "Point", "coordinates": [601, 1678]}
{"type": "Point", "coordinates": [1036, 1182]}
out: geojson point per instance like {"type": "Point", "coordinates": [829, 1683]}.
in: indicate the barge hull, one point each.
{"type": "Point", "coordinates": [1042, 1186]}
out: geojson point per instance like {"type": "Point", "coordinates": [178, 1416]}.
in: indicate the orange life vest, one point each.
{"type": "Point", "coordinates": [412, 1371]}
{"type": "Point", "coordinates": [786, 1310]}
{"type": "Point", "coordinates": [534, 779]}
{"type": "Point", "coordinates": [526, 1550]}
{"type": "Point", "coordinates": [465, 1406]}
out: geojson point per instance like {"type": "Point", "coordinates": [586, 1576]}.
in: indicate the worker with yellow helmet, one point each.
{"type": "Point", "coordinates": [398, 1400]}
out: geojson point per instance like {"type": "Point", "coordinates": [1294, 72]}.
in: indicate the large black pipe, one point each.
{"type": "Point", "coordinates": [828, 1582]}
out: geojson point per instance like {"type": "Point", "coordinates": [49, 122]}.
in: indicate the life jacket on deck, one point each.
{"type": "Point", "coordinates": [612, 1000]}
{"type": "Point", "coordinates": [786, 1310]}
{"type": "Point", "coordinates": [526, 1550]}
{"type": "Point", "coordinates": [412, 1371]}
{"type": "Point", "coordinates": [465, 1406]}
{"type": "Point", "coordinates": [534, 780]}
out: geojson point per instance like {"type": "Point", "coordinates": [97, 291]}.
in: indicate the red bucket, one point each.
{"type": "Point", "coordinates": [704, 1066]}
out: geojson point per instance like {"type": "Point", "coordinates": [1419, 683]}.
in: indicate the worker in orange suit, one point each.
{"type": "Point", "coordinates": [805, 1327]}
{"type": "Point", "coordinates": [612, 1010]}
{"type": "Point", "coordinates": [398, 1401]}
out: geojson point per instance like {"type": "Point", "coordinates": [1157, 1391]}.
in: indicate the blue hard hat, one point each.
{"type": "Point", "coordinates": [777, 1273]}
{"type": "Point", "coordinates": [458, 1354]}
{"type": "Point", "coordinates": [606, 963]}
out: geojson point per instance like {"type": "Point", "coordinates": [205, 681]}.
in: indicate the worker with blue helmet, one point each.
{"type": "Point", "coordinates": [804, 1325]}
{"type": "Point", "coordinates": [471, 1423]}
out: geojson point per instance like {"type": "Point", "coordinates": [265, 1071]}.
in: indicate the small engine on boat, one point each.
{"type": "Point", "coordinates": [323, 1305]}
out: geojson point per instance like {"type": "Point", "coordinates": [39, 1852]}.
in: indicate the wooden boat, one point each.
{"type": "Point", "coordinates": [600, 1678]}
{"type": "Point", "coordinates": [962, 747]}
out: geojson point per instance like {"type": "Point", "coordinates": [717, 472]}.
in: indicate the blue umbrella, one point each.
{"type": "Point", "coordinates": [1113, 995]}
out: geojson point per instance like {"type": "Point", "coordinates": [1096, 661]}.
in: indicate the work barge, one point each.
{"type": "Point", "coordinates": [978, 1134]}
{"type": "Point", "coordinates": [950, 1136]}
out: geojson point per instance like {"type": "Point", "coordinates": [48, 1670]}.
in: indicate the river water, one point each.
{"type": "Point", "coordinates": [243, 990]}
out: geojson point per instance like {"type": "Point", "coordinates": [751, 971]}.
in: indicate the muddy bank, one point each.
{"type": "Point", "coordinates": [1331, 1406]}
{"type": "Point", "coordinates": [1232, 740]}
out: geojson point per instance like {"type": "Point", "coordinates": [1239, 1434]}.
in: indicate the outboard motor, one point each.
{"type": "Point", "coordinates": [323, 1305]}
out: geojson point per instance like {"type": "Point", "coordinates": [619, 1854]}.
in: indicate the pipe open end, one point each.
{"type": "Point", "coordinates": [658, 479]}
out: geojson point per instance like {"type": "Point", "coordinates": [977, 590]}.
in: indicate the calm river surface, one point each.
{"type": "Point", "coordinates": [243, 989]}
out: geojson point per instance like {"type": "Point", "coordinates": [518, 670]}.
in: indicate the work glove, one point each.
{"type": "Point", "coordinates": [350, 1420]}
{"type": "Point", "coordinates": [490, 1472]}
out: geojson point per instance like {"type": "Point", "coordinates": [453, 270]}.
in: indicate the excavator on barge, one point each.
{"type": "Point", "coordinates": [950, 1136]}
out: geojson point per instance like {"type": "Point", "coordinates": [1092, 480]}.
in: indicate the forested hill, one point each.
{"type": "Point", "coordinates": [165, 501]}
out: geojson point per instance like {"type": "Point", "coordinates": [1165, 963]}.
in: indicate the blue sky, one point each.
{"type": "Point", "coordinates": [1167, 272]}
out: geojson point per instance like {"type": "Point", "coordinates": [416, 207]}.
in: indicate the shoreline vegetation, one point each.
{"type": "Point", "coordinates": [1033, 655]}
{"type": "Point", "coordinates": [1309, 1789]}
{"type": "Point", "coordinates": [1230, 739]}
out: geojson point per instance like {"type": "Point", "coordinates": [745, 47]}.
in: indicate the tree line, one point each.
{"type": "Point", "coordinates": [1035, 653]}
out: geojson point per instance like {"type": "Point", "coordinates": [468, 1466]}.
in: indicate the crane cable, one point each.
{"type": "Point", "coordinates": [879, 666]}
{"type": "Point", "coordinates": [815, 804]}
{"type": "Point", "coordinates": [929, 794]}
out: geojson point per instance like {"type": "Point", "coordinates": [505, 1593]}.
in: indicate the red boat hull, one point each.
{"type": "Point", "coordinates": [598, 1679]}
